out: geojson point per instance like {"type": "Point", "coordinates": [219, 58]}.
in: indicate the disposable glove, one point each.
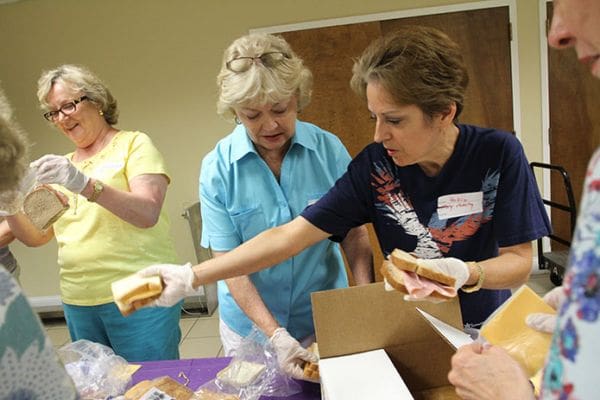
{"type": "Point", "coordinates": [448, 266]}
{"type": "Point", "coordinates": [177, 281]}
{"type": "Point", "coordinates": [547, 322]}
{"type": "Point", "coordinates": [290, 354]}
{"type": "Point", "coordinates": [58, 169]}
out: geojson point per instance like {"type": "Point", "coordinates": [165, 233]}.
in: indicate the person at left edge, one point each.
{"type": "Point", "coordinates": [116, 182]}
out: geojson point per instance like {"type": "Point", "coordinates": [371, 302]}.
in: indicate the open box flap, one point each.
{"type": "Point", "coordinates": [364, 318]}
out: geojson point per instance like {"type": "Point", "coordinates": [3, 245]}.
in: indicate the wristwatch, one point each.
{"type": "Point", "coordinates": [98, 188]}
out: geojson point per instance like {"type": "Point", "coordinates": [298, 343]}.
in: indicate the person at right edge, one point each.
{"type": "Point", "coordinates": [262, 175]}
{"type": "Point", "coordinates": [423, 162]}
{"type": "Point", "coordinates": [571, 368]}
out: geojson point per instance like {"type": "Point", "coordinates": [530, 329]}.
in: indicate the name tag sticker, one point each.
{"type": "Point", "coordinates": [460, 204]}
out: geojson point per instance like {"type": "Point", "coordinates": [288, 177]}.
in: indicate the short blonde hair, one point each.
{"type": "Point", "coordinates": [13, 149]}
{"type": "Point", "coordinates": [261, 84]}
{"type": "Point", "coordinates": [416, 65]}
{"type": "Point", "coordinates": [79, 79]}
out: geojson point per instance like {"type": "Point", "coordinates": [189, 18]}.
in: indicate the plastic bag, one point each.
{"type": "Point", "coordinates": [252, 372]}
{"type": "Point", "coordinates": [97, 371]}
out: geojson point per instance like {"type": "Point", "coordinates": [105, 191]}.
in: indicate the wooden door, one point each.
{"type": "Point", "coordinates": [574, 97]}
{"type": "Point", "coordinates": [329, 52]}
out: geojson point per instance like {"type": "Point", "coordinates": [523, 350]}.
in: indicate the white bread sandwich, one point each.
{"type": "Point", "coordinates": [135, 288]}
{"type": "Point", "coordinates": [417, 277]}
{"type": "Point", "coordinates": [241, 373]}
{"type": "Point", "coordinates": [44, 206]}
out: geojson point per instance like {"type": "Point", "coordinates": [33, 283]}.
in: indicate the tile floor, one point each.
{"type": "Point", "coordinates": [201, 334]}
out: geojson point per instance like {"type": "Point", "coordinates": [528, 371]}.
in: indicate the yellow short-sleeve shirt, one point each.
{"type": "Point", "coordinates": [95, 247]}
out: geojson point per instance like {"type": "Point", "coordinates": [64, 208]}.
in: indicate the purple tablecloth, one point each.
{"type": "Point", "coordinates": [202, 370]}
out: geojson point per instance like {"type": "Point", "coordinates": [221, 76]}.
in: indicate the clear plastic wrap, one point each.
{"type": "Point", "coordinates": [97, 371]}
{"type": "Point", "coordinates": [252, 372]}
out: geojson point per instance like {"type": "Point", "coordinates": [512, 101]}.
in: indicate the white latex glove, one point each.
{"type": "Point", "coordinates": [448, 266]}
{"type": "Point", "coordinates": [290, 354]}
{"type": "Point", "coordinates": [58, 169]}
{"type": "Point", "coordinates": [177, 281]}
{"type": "Point", "coordinates": [547, 322]}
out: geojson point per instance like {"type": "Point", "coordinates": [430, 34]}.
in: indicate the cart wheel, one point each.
{"type": "Point", "coordinates": [555, 278]}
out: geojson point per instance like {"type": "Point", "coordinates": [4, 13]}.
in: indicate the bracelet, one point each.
{"type": "Point", "coordinates": [476, 286]}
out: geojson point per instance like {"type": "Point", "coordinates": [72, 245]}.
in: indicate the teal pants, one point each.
{"type": "Point", "coordinates": [148, 334]}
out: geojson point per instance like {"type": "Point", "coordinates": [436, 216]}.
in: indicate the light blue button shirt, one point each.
{"type": "Point", "coordinates": [240, 197]}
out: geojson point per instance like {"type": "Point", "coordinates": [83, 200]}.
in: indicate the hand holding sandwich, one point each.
{"type": "Point", "coordinates": [290, 354]}
{"type": "Point", "coordinates": [58, 169]}
{"type": "Point", "coordinates": [547, 322]}
{"type": "Point", "coordinates": [177, 280]}
{"type": "Point", "coordinates": [424, 279]}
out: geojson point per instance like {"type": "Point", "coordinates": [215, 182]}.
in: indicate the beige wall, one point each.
{"type": "Point", "coordinates": [160, 59]}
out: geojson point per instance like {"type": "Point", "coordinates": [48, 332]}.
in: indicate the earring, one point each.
{"type": "Point", "coordinates": [237, 120]}
{"type": "Point", "coordinates": [101, 112]}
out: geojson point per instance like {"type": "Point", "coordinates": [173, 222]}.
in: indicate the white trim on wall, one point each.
{"type": "Point", "coordinates": [514, 49]}
{"type": "Point", "coordinates": [545, 97]}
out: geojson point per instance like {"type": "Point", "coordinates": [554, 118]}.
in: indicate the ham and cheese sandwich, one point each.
{"type": "Point", "coordinates": [417, 277]}
{"type": "Point", "coordinates": [134, 288]}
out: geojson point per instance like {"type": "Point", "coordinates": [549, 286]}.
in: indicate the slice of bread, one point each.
{"type": "Point", "coordinates": [408, 262]}
{"type": "Point", "coordinates": [311, 370]}
{"type": "Point", "coordinates": [43, 206]}
{"type": "Point", "coordinates": [135, 288]}
{"type": "Point", "coordinates": [241, 373]}
{"type": "Point", "coordinates": [395, 278]}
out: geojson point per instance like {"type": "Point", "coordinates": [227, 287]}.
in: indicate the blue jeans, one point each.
{"type": "Point", "coordinates": [148, 334]}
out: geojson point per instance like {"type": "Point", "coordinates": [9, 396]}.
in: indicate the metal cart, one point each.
{"type": "Point", "coordinates": [556, 261]}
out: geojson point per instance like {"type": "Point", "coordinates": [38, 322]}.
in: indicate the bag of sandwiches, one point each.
{"type": "Point", "coordinates": [253, 372]}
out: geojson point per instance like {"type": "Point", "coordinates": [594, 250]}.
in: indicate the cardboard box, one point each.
{"type": "Point", "coordinates": [365, 318]}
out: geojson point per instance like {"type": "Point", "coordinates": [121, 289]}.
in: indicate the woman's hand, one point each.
{"type": "Point", "coordinates": [58, 169]}
{"type": "Point", "coordinates": [177, 284]}
{"type": "Point", "coordinates": [484, 372]}
{"type": "Point", "coordinates": [544, 322]}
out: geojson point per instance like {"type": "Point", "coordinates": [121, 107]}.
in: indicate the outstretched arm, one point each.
{"type": "Point", "coordinates": [357, 249]}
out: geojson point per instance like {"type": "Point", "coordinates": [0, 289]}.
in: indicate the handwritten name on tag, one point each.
{"type": "Point", "coordinates": [457, 205]}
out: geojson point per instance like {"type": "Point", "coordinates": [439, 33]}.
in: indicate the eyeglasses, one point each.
{"type": "Point", "coordinates": [67, 109]}
{"type": "Point", "coordinates": [243, 64]}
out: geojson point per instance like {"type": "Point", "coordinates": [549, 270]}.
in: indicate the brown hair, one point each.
{"type": "Point", "coordinates": [13, 152]}
{"type": "Point", "coordinates": [416, 65]}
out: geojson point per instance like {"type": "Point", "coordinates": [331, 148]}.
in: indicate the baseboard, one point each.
{"type": "Point", "coordinates": [43, 304]}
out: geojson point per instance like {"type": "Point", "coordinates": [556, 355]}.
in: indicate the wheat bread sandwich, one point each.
{"type": "Point", "coordinates": [158, 388]}
{"type": "Point", "coordinates": [44, 206]}
{"type": "Point", "coordinates": [417, 277]}
{"type": "Point", "coordinates": [310, 369]}
{"type": "Point", "coordinates": [135, 288]}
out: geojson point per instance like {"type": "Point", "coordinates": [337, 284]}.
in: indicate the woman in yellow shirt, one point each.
{"type": "Point", "coordinates": [115, 182]}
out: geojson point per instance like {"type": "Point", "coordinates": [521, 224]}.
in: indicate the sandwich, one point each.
{"type": "Point", "coordinates": [241, 373]}
{"type": "Point", "coordinates": [163, 387]}
{"type": "Point", "coordinates": [135, 288]}
{"type": "Point", "coordinates": [417, 278]}
{"type": "Point", "coordinates": [44, 206]}
{"type": "Point", "coordinates": [310, 369]}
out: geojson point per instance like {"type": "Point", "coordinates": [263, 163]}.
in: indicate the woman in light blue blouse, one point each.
{"type": "Point", "coordinates": [263, 174]}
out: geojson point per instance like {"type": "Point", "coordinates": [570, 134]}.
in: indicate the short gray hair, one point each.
{"type": "Point", "coordinates": [261, 84]}
{"type": "Point", "coordinates": [13, 148]}
{"type": "Point", "coordinates": [79, 80]}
